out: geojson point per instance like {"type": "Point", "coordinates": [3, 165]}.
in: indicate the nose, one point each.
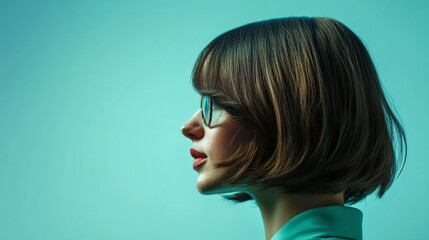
{"type": "Point", "coordinates": [193, 128]}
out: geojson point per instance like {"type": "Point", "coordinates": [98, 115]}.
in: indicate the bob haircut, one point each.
{"type": "Point", "coordinates": [308, 95]}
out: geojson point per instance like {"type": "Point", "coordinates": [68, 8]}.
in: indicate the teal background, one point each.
{"type": "Point", "coordinates": [93, 95]}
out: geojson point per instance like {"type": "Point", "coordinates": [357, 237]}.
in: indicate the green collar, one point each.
{"type": "Point", "coordinates": [332, 221]}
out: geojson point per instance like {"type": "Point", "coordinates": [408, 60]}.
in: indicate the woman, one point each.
{"type": "Point", "coordinates": [293, 116]}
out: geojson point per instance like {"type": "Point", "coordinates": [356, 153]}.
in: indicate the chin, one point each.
{"type": "Point", "coordinates": [208, 186]}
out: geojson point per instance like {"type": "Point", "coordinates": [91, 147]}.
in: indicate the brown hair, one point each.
{"type": "Point", "coordinates": [308, 93]}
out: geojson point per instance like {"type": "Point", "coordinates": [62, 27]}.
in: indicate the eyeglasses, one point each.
{"type": "Point", "coordinates": [212, 114]}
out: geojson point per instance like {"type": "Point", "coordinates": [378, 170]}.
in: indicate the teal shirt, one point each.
{"type": "Point", "coordinates": [331, 222]}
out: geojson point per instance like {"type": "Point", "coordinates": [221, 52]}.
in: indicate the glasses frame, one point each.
{"type": "Point", "coordinates": [206, 121]}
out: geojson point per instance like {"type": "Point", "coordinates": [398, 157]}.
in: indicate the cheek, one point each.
{"type": "Point", "coordinates": [226, 141]}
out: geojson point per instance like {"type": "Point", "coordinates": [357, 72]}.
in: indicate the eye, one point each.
{"type": "Point", "coordinates": [216, 107]}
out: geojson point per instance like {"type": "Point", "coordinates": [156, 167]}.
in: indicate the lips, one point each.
{"type": "Point", "coordinates": [196, 154]}
{"type": "Point", "coordinates": [200, 158]}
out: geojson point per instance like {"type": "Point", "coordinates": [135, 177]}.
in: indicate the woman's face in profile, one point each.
{"type": "Point", "coordinates": [210, 146]}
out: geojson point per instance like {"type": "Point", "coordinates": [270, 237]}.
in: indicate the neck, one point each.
{"type": "Point", "coordinates": [278, 208]}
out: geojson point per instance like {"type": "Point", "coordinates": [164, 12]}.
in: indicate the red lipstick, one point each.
{"type": "Point", "coordinates": [200, 158]}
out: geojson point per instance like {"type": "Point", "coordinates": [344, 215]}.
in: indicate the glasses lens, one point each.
{"type": "Point", "coordinates": [206, 107]}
